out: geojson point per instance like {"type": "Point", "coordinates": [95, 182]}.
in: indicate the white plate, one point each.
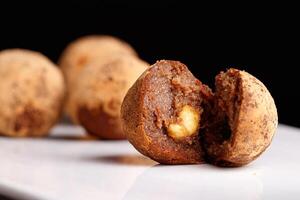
{"type": "Point", "coordinates": [66, 166]}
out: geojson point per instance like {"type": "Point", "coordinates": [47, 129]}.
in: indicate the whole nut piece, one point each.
{"type": "Point", "coordinates": [31, 93]}
{"type": "Point", "coordinates": [245, 119]}
{"type": "Point", "coordinates": [187, 124]}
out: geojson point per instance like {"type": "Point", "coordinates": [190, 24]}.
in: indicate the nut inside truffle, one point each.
{"type": "Point", "coordinates": [171, 117]}
{"type": "Point", "coordinates": [168, 97]}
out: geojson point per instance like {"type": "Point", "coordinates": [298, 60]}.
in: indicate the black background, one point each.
{"type": "Point", "coordinates": [262, 40]}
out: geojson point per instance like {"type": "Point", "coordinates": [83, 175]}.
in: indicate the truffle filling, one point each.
{"type": "Point", "coordinates": [173, 90]}
{"type": "Point", "coordinates": [225, 112]}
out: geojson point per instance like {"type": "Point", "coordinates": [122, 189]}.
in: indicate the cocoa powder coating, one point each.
{"type": "Point", "coordinates": [31, 93]}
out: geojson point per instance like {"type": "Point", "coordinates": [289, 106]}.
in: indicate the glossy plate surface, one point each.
{"type": "Point", "coordinates": [67, 165]}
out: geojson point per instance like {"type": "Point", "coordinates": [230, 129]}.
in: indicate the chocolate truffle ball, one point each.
{"type": "Point", "coordinates": [89, 48]}
{"type": "Point", "coordinates": [31, 93]}
{"type": "Point", "coordinates": [243, 121]}
{"type": "Point", "coordinates": [171, 117]}
{"type": "Point", "coordinates": [163, 112]}
{"type": "Point", "coordinates": [81, 52]}
{"type": "Point", "coordinates": [96, 98]}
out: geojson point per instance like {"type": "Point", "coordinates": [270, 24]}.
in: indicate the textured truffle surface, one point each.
{"type": "Point", "coordinates": [95, 101]}
{"type": "Point", "coordinates": [87, 49]}
{"type": "Point", "coordinates": [31, 93]}
{"type": "Point", "coordinates": [245, 119]}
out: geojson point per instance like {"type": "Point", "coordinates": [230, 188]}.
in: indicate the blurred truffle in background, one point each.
{"type": "Point", "coordinates": [90, 48]}
{"type": "Point", "coordinates": [31, 93]}
{"type": "Point", "coordinates": [99, 70]}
